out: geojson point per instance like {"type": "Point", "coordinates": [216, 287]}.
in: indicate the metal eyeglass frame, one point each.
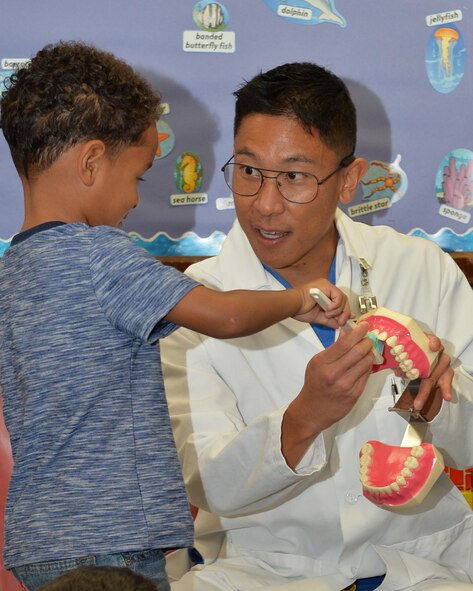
{"type": "Point", "coordinates": [343, 164]}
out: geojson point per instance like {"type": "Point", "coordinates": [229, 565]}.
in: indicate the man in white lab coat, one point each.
{"type": "Point", "coordinates": [269, 427]}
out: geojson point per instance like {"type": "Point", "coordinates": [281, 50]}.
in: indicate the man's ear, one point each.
{"type": "Point", "coordinates": [91, 156]}
{"type": "Point", "coordinates": [352, 177]}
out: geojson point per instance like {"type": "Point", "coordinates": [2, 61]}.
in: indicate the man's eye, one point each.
{"type": "Point", "coordinates": [248, 171]}
{"type": "Point", "coordinates": [295, 176]}
{"type": "Point", "coordinates": [243, 170]}
{"type": "Point", "coordinates": [141, 179]}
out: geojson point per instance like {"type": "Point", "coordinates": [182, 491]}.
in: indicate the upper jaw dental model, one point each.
{"type": "Point", "coordinates": [406, 345]}
{"type": "Point", "coordinates": [399, 477]}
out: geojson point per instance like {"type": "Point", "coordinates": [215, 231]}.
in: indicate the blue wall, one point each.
{"type": "Point", "coordinates": [407, 64]}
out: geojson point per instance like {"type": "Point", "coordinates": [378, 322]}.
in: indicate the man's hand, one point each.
{"type": "Point", "coordinates": [438, 386]}
{"type": "Point", "coordinates": [334, 380]}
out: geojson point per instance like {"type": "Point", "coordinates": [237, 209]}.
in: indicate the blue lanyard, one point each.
{"type": "Point", "coordinates": [325, 333]}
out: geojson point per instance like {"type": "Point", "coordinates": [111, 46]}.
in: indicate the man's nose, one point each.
{"type": "Point", "coordinates": [269, 199]}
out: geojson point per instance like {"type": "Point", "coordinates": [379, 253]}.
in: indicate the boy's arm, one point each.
{"type": "Point", "coordinates": [228, 314]}
{"type": "Point", "coordinates": [239, 313]}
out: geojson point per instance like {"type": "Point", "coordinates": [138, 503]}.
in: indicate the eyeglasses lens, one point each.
{"type": "Point", "coordinates": [296, 187]}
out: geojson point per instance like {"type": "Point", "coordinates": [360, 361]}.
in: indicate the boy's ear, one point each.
{"type": "Point", "coordinates": [91, 157]}
{"type": "Point", "coordinates": [353, 175]}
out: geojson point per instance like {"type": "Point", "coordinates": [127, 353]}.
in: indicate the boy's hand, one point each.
{"type": "Point", "coordinates": [338, 311]}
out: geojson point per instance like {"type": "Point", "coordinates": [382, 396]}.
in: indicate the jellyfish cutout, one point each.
{"type": "Point", "coordinates": [446, 38]}
{"type": "Point", "coordinates": [445, 58]}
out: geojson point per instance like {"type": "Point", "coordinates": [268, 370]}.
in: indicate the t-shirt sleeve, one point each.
{"type": "Point", "coordinates": [134, 290]}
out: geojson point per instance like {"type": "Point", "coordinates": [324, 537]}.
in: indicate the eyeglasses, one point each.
{"type": "Point", "coordinates": [296, 187]}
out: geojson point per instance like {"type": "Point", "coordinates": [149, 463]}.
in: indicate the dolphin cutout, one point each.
{"type": "Point", "coordinates": [327, 13]}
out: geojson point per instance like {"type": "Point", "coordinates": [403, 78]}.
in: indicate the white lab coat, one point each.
{"type": "Point", "coordinates": [227, 399]}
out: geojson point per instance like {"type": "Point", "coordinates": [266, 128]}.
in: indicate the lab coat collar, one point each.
{"type": "Point", "coordinates": [239, 267]}
{"type": "Point", "coordinates": [353, 238]}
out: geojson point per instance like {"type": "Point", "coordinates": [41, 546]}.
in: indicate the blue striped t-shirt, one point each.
{"type": "Point", "coordinates": [95, 465]}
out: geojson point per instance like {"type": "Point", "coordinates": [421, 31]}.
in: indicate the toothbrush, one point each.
{"type": "Point", "coordinates": [324, 302]}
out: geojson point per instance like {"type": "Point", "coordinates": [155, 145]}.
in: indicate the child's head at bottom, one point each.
{"type": "Point", "coordinates": [106, 578]}
{"type": "Point", "coordinates": [75, 99]}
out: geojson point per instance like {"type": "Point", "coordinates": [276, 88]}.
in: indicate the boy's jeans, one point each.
{"type": "Point", "coordinates": [149, 563]}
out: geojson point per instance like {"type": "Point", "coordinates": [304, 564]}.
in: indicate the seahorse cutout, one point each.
{"type": "Point", "coordinates": [188, 167]}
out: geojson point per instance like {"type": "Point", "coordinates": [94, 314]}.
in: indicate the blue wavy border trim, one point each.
{"type": "Point", "coordinates": [190, 244]}
{"type": "Point", "coordinates": [447, 239]}
{"type": "Point", "coordinates": [4, 244]}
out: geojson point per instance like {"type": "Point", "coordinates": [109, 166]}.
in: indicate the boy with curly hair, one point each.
{"type": "Point", "coordinates": [96, 477]}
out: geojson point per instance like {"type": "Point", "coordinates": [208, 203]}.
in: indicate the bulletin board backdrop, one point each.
{"type": "Point", "coordinates": [407, 65]}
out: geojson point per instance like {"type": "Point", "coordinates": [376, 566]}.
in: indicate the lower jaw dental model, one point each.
{"type": "Point", "coordinates": [400, 477]}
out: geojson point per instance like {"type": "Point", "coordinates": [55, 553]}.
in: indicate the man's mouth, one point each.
{"type": "Point", "coordinates": [271, 234]}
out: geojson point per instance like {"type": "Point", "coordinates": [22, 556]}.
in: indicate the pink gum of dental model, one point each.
{"type": "Point", "coordinates": [407, 347]}
{"type": "Point", "coordinates": [398, 477]}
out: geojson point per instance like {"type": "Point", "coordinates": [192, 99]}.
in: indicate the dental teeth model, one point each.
{"type": "Point", "coordinates": [407, 347]}
{"type": "Point", "coordinates": [392, 476]}
{"type": "Point", "coordinates": [398, 477]}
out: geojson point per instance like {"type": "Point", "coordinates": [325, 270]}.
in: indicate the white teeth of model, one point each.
{"type": "Point", "coordinates": [406, 365]}
{"type": "Point", "coordinates": [401, 357]}
{"type": "Point", "coordinates": [411, 462]}
{"type": "Point", "coordinates": [401, 480]}
{"type": "Point", "coordinates": [397, 349]}
{"type": "Point", "coordinates": [417, 451]}
{"type": "Point", "coordinates": [365, 459]}
{"type": "Point", "coordinates": [391, 341]}
{"type": "Point", "coordinates": [365, 462]}
{"type": "Point", "coordinates": [395, 486]}
{"type": "Point", "coordinates": [367, 448]}
{"type": "Point", "coordinates": [413, 374]}
{"type": "Point", "coordinates": [406, 472]}
{"type": "Point", "coordinates": [382, 336]}
{"type": "Point", "coordinates": [375, 332]}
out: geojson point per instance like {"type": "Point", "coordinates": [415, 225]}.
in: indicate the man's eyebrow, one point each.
{"type": "Point", "coordinates": [292, 159]}
{"type": "Point", "coordinates": [245, 152]}
{"type": "Point", "coordinates": [299, 158]}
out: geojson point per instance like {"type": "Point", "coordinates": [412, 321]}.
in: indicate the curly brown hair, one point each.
{"type": "Point", "coordinates": [69, 93]}
{"type": "Point", "coordinates": [100, 578]}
